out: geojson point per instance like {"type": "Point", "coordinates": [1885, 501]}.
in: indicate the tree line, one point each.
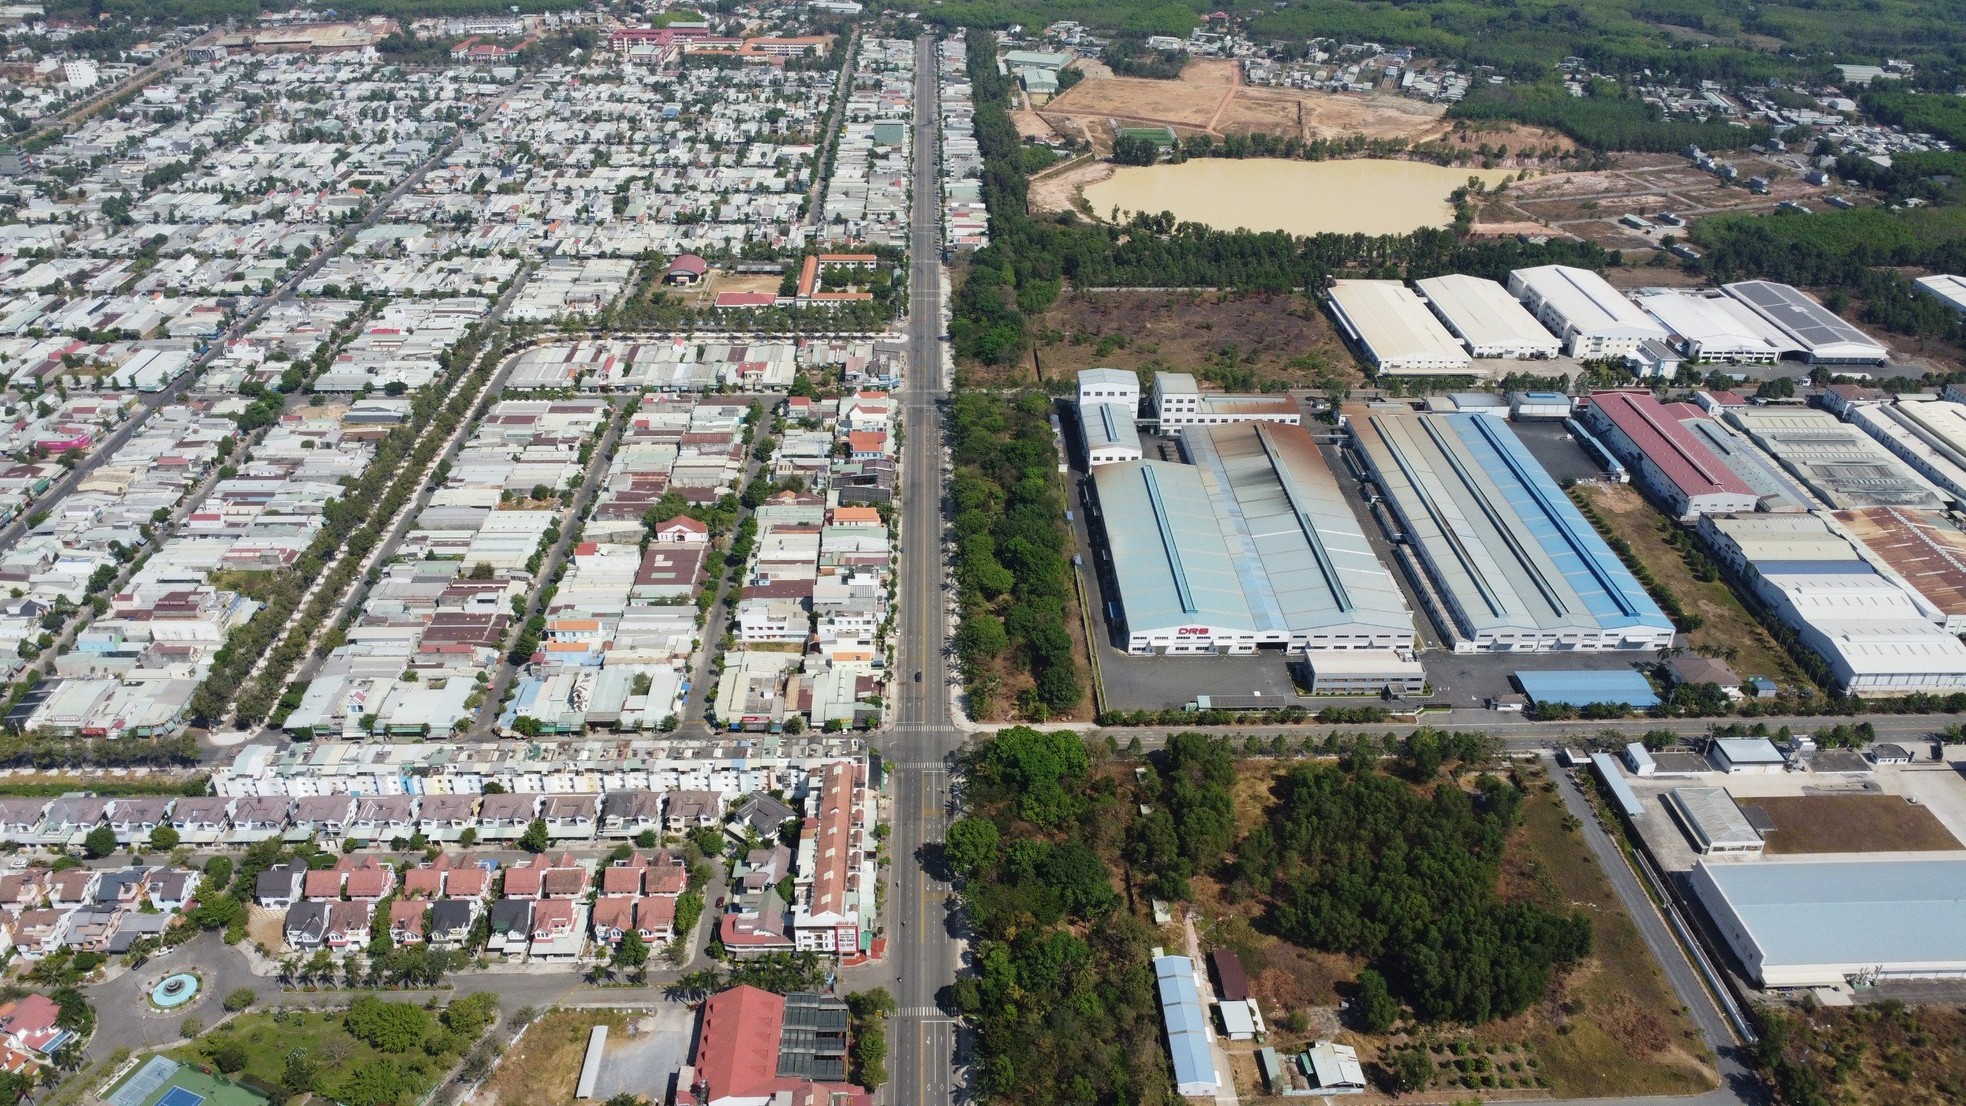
{"type": "Point", "coordinates": [1610, 117]}
{"type": "Point", "coordinates": [1013, 582]}
{"type": "Point", "coordinates": [1063, 995]}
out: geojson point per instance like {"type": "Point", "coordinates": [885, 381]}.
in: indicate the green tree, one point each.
{"type": "Point", "coordinates": [971, 845]}
{"type": "Point", "coordinates": [535, 840]}
{"type": "Point", "coordinates": [632, 953]}
{"type": "Point", "coordinates": [164, 838]}
{"type": "Point", "coordinates": [387, 1026]}
{"type": "Point", "coordinates": [100, 842]}
{"type": "Point", "coordinates": [1377, 1008]}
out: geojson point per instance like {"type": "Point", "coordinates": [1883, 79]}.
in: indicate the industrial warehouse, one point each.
{"type": "Point", "coordinates": [1592, 318]}
{"type": "Point", "coordinates": [1250, 545]}
{"type": "Point", "coordinates": [1818, 334]}
{"type": "Point", "coordinates": [1823, 923]}
{"type": "Point", "coordinates": [1393, 329]}
{"type": "Point", "coordinates": [1507, 561]}
{"type": "Point", "coordinates": [1675, 466]}
{"type": "Point", "coordinates": [1488, 321]}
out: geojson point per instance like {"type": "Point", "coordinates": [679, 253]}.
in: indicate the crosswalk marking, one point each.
{"type": "Point", "coordinates": [920, 1012]}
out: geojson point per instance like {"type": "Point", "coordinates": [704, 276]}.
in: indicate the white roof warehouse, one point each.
{"type": "Point", "coordinates": [1818, 923]}
{"type": "Point", "coordinates": [1394, 329]}
{"type": "Point", "coordinates": [1251, 545]}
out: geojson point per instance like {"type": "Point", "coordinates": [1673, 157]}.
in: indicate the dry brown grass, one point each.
{"type": "Point", "coordinates": [544, 1066]}
{"type": "Point", "coordinates": [1851, 823]}
{"type": "Point", "coordinates": [1279, 340]}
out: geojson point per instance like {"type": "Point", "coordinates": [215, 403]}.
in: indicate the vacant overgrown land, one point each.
{"type": "Point", "coordinates": [1252, 341]}
{"type": "Point", "coordinates": [1614, 1027]}
{"type": "Point", "coordinates": [1885, 1054]}
{"type": "Point", "coordinates": [544, 1066]}
{"type": "Point", "coordinates": [1606, 1023]}
{"type": "Point", "coordinates": [1727, 629]}
{"type": "Point", "coordinates": [1830, 823]}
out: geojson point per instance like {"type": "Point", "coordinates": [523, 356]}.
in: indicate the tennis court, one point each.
{"type": "Point", "coordinates": [163, 1082]}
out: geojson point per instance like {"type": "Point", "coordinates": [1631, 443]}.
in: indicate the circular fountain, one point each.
{"type": "Point", "coordinates": [174, 991]}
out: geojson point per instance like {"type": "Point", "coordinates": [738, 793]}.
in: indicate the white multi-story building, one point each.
{"type": "Point", "coordinates": [1592, 318]}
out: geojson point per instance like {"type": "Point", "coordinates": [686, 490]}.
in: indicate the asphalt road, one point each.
{"type": "Point", "coordinates": [1738, 1083]}
{"type": "Point", "coordinates": [922, 925]}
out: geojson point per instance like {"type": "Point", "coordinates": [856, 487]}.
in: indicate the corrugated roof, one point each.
{"type": "Point", "coordinates": [1667, 444]}
{"type": "Point", "coordinates": [1483, 312]}
{"type": "Point", "coordinates": [1714, 818]}
{"type": "Point", "coordinates": [1817, 329]}
{"type": "Point", "coordinates": [1579, 687]}
{"type": "Point", "coordinates": [1187, 1023]}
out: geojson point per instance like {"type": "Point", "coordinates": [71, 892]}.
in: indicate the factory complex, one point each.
{"type": "Point", "coordinates": [1242, 530]}
{"type": "Point", "coordinates": [1443, 324]}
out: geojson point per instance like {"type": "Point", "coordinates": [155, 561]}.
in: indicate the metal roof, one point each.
{"type": "Point", "coordinates": [1607, 770]}
{"type": "Point", "coordinates": [1774, 488]}
{"type": "Point", "coordinates": [1867, 912]}
{"type": "Point", "coordinates": [1187, 1024]}
{"type": "Point", "coordinates": [1495, 531]}
{"type": "Point", "coordinates": [1837, 462]}
{"type": "Point", "coordinates": [1395, 327]}
{"type": "Point", "coordinates": [1681, 457]}
{"type": "Point", "coordinates": [1579, 687]}
{"type": "Point", "coordinates": [1714, 818]}
{"type": "Point", "coordinates": [1168, 554]}
{"type": "Point", "coordinates": [1925, 550]}
{"type": "Point", "coordinates": [1586, 300]}
{"type": "Point", "coordinates": [1717, 326]}
{"type": "Point", "coordinates": [1297, 548]}
{"type": "Point", "coordinates": [1108, 425]}
{"type": "Point", "coordinates": [1817, 329]}
{"type": "Point", "coordinates": [1483, 312]}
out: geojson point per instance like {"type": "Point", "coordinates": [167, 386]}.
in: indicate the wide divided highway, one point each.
{"type": "Point", "coordinates": [922, 923]}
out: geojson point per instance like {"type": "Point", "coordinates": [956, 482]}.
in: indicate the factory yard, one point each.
{"type": "Point", "coordinates": [1833, 823]}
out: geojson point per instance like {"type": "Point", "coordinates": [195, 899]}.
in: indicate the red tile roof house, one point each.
{"type": "Point", "coordinates": [323, 883]}
{"type": "Point", "coordinates": [408, 919]}
{"type": "Point", "coordinates": [557, 930]}
{"type": "Point", "coordinates": [28, 1025]}
{"type": "Point", "coordinates": [683, 530]}
{"type": "Point", "coordinates": [427, 880]}
{"type": "Point", "coordinates": [613, 917]}
{"type": "Point", "coordinates": [737, 1049]}
{"type": "Point", "coordinates": [655, 919]}
{"type": "Point", "coordinates": [467, 883]}
{"type": "Point", "coordinates": [624, 877]}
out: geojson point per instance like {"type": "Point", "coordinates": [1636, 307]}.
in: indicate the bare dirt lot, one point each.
{"type": "Point", "coordinates": [1242, 342]}
{"type": "Point", "coordinates": [1210, 97]}
{"type": "Point", "coordinates": [1588, 205]}
{"type": "Point", "coordinates": [1842, 823]}
{"type": "Point", "coordinates": [1061, 191]}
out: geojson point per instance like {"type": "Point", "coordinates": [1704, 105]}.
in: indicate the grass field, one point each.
{"type": "Point", "coordinates": [1851, 823]}
{"type": "Point", "coordinates": [1615, 1026]}
{"type": "Point", "coordinates": [1727, 624]}
{"type": "Point", "coordinates": [268, 1041]}
{"type": "Point", "coordinates": [544, 1066]}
